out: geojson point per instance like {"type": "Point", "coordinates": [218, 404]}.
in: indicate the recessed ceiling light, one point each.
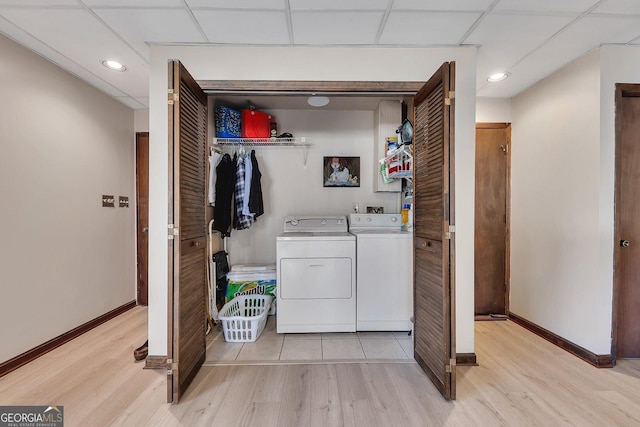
{"type": "Point", "coordinates": [498, 77]}
{"type": "Point", "coordinates": [317, 101]}
{"type": "Point", "coordinates": [114, 65]}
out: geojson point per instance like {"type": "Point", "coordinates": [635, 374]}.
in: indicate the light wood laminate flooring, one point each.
{"type": "Point", "coordinates": [522, 380]}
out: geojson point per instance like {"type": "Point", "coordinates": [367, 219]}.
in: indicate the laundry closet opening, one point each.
{"type": "Point", "coordinates": [293, 181]}
{"type": "Point", "coordinates": [292, 184]}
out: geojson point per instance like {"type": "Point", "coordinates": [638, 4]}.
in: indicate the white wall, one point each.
{"type": "Point", "coordinates": [141, 120]}
{"type": "Point", "coordinates": [64, 259]}
{"type": "Point", "coordinates": [493, 110]}
{"type": "Point", "coordinates": [560, 276]}
{"type": "Point", "coordinates": [306, 63]}
{"type": "Point", "coordinates": [291, 188]}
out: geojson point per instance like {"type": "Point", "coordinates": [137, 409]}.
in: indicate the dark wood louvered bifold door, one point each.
{"type": "Point", "coordinates": [434, 348]}
{"type": "Point", "coordinates": [187, 244]}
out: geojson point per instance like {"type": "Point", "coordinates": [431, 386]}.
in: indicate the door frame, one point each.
{"type": "Point", "coordinates": [142, 286]}
{"type": "Point", "coordinates": [507, 251]}
{"type": "Point", "coordinates": [622, 90]}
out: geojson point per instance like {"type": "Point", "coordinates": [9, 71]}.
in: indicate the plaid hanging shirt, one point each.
{"type": "Point", "coordinates": [242, 221]}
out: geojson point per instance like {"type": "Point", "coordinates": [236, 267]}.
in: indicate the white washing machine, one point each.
{"type": "Point", "coordinates": [384, 272]}
{"type": "Point", "coordinates": [316, 270]}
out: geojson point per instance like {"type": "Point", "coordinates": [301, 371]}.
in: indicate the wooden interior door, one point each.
{"type": "Point", "coordinates": [434, 294]}
{"type": "Point", "coordinates": [142, 216]}
{"type": "Point", "coordinates": [187, 229]}
{"type": "Point", "coordinates": [491, 218]}
{"type": "Point", "coordinates": [626, 288]}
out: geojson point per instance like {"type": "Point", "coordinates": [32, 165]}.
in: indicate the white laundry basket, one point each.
{"type": "Point", "coordinates": [244, 317]}
{"type": "Point", "coordinates": [249, 279]}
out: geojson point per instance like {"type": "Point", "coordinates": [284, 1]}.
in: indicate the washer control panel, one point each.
{"type": "Point", "coordinates": [376, 221]}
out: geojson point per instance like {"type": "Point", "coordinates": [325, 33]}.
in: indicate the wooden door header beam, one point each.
{"type": "Point", "coordinates": [305, 87]}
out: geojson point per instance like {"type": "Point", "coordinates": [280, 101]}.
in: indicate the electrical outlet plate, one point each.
{"type": "Point", "coordinates": [123, 201]}
{"type": "Point", "coordinates": [375, 209]}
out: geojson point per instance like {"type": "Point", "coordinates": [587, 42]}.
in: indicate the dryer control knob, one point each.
{"type": "Point", "coordinates": [357, 219]}
{"type": "Point", "coordinates": [294, 222]}
{"type": "Point", "coordinates": [394, 219]}
{"type": "Point", "coordinates": [368, 219]}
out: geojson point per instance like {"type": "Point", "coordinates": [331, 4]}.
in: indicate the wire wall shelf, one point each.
{"type": "Point", "coordinates": [235, 143]}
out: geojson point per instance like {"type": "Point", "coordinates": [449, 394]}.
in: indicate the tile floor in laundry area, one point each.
{"type": "Point", "coordinates": [344, 346]}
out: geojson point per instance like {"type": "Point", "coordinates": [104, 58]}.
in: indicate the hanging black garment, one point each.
{"type": "Point", "coordinates": [222, 268]}
{"type": "Point", "coordinates": [225, 186]}
{"type": "Point", "coordinates": [256, 205]}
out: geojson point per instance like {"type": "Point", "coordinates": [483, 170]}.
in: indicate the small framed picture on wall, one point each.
{"type": "Point", "coordinates": [341, 171]}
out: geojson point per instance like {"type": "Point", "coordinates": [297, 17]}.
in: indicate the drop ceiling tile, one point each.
{"type": "Point", "coordinates": [622, 7]}
{"type": "Point", "coordinates": [572, 6]}
{"type": "Point", "coordinates": [85, 42]}
{"type": "Point", "coordinates": [134, 3]}
{"type": "Point", "coordinates": [422, 28]}
{"type": "Point", "coordinates": [237, 4]}
{"type": "Point", "coordinates": [244, 27]}
{"type": "Point", "coordinates": [518, 35]}
{"type": "Point", "coordinates": [576, 40]}
{"type": "Point", "coordinates": [472, 5]}
{"type": "Point", "coordinates": [40, 3]}
{"type": "Point", "coordinates": [141, 26]}
{"type": "Point", "coordinates": [338, 4]}
{"type": "Point", "coordinates": [344, 28]}
{"type": "Point", "coordinates": [56, 58]}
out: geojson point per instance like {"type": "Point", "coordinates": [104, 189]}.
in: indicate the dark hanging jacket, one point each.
{"type": "Point", "coordinates": [225, 186]}
{"type": "Point", "coordinates": [256, 205]}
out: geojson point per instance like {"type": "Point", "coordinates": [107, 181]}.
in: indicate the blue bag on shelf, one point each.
{"type": "Point", "coordinates": [228, 122]}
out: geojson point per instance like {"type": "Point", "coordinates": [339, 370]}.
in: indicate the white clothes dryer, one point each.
{"type": "Point", "coordinates": [316, 275]}
{"type": "Point", "coordinates": [384, 273]}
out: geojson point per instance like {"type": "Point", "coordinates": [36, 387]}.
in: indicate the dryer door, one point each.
{"type": "Point", "coordinates": [315, 278]}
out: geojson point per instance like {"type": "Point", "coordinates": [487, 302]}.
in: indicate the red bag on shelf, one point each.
{"type": "Point", "coordinates": [256, 124]}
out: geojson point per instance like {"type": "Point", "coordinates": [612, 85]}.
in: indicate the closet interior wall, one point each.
{"type": "Point", "coordinates": [292, 177]}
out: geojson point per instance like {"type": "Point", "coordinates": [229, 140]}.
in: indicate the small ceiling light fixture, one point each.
{"type": "Point", "coordinates": [498, 77]}
{"type": "Point", "coordinates": [317, 101]}
{"type": "Point", "coordinates": [114, 65]}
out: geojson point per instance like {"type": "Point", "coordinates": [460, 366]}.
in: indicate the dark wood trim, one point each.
{"type": "Point", "coordinates": [466, 359]}
{"type": "Point", "coordinates": [597, 360]}
{"type": "Point", "coordinates": [174, 67]}
{"type": "Point", "coordinates": [155, 362]}
{"type": "Point", "coordinates": [30, 355]}
{"type": "Point", "coordinates": [347, 88]}
{"type": "Point", "coordinates": [142, 218]}
{"type": "Point", "coordinates": [617, 284]}
{"type": "Point", "coordinates": [507, 247]}
{"type": "Point", "coordinates": [492, 125]}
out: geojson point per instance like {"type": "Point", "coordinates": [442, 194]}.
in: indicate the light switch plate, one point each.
{"type": "Point", "coordinates": [108, 201]}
